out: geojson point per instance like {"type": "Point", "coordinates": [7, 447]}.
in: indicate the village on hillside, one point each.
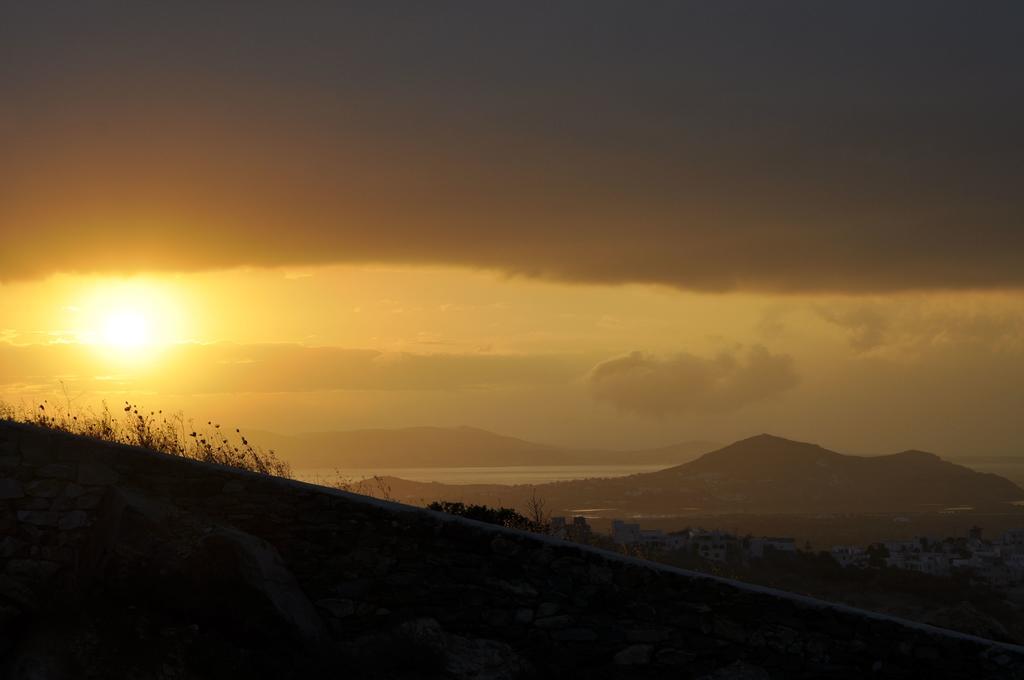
{"type": "Point", "coordinates": [997, 562]}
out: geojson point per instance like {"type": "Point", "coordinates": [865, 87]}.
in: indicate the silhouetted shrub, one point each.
{"type": "Point", "coordinates": [505, 517]}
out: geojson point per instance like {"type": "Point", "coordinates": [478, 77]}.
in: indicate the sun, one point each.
{"type": "Point", "coordinates": [127, 320]}
{"type": "Point", "coordinates": [126, 329]}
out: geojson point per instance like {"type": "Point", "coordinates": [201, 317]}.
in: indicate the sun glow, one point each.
{"type": "Point", "coordinates": [126, 329]}
{"type": "Point", "coordinates": [128, 319]}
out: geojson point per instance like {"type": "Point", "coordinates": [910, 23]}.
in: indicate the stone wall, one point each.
{"type": "Point", "coordinates": [117, 562]}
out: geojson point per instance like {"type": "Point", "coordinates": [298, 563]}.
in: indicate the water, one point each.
{"type": "Point", "coordinates": [519, 474]}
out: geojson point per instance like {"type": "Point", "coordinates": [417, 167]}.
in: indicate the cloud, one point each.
{"type": "Point", "coordinates": [916, 326]}
{"type": "Point", "coordinates": [867, 327]}
{"type": "Point", "coordinates": [274, 368]}
{"type": "Point", "coordinates": [684, 383]}
{"type": "Point", "coordinates": [811, 147]}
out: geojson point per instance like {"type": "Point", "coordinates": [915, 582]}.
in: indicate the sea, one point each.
{"type": "Point", "coordinates": [517, 474]}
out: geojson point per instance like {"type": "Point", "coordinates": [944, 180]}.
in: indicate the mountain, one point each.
{"type": "Point", "coordinates": [762, 474]}
{"type": "Point", "coordinates": [427, 447]}
{"type": "Point", "coordinates": [767, 472]}
{"type": "Point", "coordinates": [674, 454]}
{"type": "Point", "coordinates": [408, 447]}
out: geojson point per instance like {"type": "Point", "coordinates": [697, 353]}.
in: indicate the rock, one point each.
{"type": "Point", "coordinates": [39, 518]}
{"type": "Point", "coordinates": [39, 662]}
{"type": "Point", "coordinates": [463, 658]}
{"type": "Point", "coordinates": [89, 501]}
{"type": "Point", "coordinates": [518, 588]}
{"type": "Point", "coordinates": [352, 589]}
{"type": "Point", "coordinates": [553, 621]}
{"type": "Point", "coordinates": [570, 566]}
{"type": "Point", "coordinates": [673, 657]}
{"type": "Point", "coordinates": [28, 503]}
{"type": "Point", "coordinates": [524, 615]}
{"type": "Point", "coordinates": [32, 571]}
{"type": "Point", "coordinates": [574, 635]}
{"type": "Point", "coordinates": [727, 629]}
{"type": "Point", "coordinates": [502, 545]}
{"type": "Point", "coordinates": [96, 474]}
{"type": "Point", "coordinates": [423, 632]}
{"type": "Point", "coordinates": [8, 443]}
{"type": "Point", "coordinates": [10, 546]}
{"type": "Point", "coordinates": [739, 670]}
{"type": "Point", "coordinates": [634, 655]}
{"type": "Point", "coordinates": [10, 488]}
{"type": "Point", "coordinates": [45, 488]}
{"type": "Point", "coordinates": [62, 504]}
{"type": "Point", "coordinates": [57, 471]}
{"type": "Point", "coordinates": [546, 609]}
{"type": "Point", "coordinates": [217, 574]}
{"type": "Point", "coordinates": [476, 659]}
{"type": "Point", "coordinates": [76, 519]}
{"type": "Point", "coordinates": [967, 619]}
{"type": "Point", "coordinates": [241, 572]}
{"type": "Point", "coordinates": [60, 553]}
{"type": "Point", "coordinates": [36, 447]}
{"type": "Point", "coordinates": [336, 607]}
{"type": "Point", "coordinates": [599, 575]}
{"type": "Point", "coordinates": [17, 593]}
{"type": "Point", "coordinates": [233, 486]}
{"type": "Point", "coordinates": [73, 490]}
{"type": "Point", "coordinates": [8, 617]}
{"type": "Point", "coordinates": [649, 634]}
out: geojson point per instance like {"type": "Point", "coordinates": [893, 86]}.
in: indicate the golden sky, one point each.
{"type": "Point", "coordinates": [343, 347]}
{"type": "Point", "coordinates": [589, 223]}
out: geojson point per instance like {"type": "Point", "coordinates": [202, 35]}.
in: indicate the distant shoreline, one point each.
{"type": "Point", "coordinates": [504, 475]}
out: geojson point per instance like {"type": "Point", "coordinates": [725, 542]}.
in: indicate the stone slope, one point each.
{"type": "Point", "coordinates": [118, 562]}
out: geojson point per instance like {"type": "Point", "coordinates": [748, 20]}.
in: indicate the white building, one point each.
{"type": "Point", "coordinates": [713, 545]}
{"type": "Point", "coordinates": [625, 533]}
{"type": "Point", "coordinates": [913, 545]}
{"type": "Point", "coordinates": [1015, 565]}
{"type": "Point", "coordinates": [578, 530]}
{"type": "Point", "coordinates": [629, 533]}
{"type": "Point", "coordinates": [766, 544]}
{"type": "Point", "coordinates": [850, 556]}
{"type": "Point", "coordinates": [556, 527]}
{"type": "Point", "coordinates": [936, 564]}
{"type": "Point", "coordinates": [1014, 538]}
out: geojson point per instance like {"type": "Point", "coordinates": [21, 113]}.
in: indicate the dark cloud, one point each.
{"type": "Point", "coordinates": [713, 146]}
{"type": "Point", "coordinates": [267, 368]}
{"type": "Point", "coordinates": [651, 386]}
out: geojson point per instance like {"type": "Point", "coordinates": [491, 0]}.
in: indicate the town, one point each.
{"type": "Point", "coordinates": [998, 562]}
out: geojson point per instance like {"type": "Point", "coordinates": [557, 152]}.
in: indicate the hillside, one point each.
{"type": "Point", "coordinates": [125, 563]}
{"type": "Point", "coordinates": [765, 474]}
{"type": "Point", "coordinates": [451, 447]}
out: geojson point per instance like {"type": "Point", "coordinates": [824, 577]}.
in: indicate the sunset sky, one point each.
{"type": "Point", "coordinates": [613, 224]}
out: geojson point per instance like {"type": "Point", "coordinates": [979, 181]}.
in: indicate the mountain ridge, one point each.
{"type": "Point", "coordinates": [428, 446]}
{"type": "Point", "coordinates": [766, 473]}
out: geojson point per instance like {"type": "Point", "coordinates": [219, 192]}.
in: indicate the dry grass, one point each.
{"type": "Point", "coordinates": [376, 486]}
{"type": "Point", "coordinates": [166, 433]}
